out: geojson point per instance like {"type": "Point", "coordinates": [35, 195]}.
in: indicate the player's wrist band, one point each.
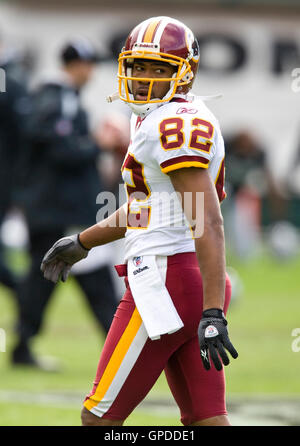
{"type": "Point", "coordinates": [79, 241]}
{"type": "Point", "coordinates": [213, 312]}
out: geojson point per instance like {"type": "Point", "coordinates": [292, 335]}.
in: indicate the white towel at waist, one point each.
{"type": "Point", "coordinates": [151, 296]}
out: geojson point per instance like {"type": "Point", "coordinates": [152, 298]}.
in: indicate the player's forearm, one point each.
{"type": "Point", "coordinates": [210, 250]}
{"type": "Point", "coordinates": [108, 230]}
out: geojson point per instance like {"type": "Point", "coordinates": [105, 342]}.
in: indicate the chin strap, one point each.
{"type": "Point", "coordinates": [211, 97]}
{"type": "Point", "coordinates": [113, 97]}
{"type": "Point", "coordinates": [147, 108]}
{"type": "Point", "coordinates": [191, 97]}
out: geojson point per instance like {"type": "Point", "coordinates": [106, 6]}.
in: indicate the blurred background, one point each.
{"type": "Point", "coordinates": [250, 54]}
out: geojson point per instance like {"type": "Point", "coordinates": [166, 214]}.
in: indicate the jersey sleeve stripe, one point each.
{"type": "Point", "coordinates": [184, 161]}
{"type": "Point", "coordinates": [220, 182]}
{"type": "Point", "coordinates": [182, 165]}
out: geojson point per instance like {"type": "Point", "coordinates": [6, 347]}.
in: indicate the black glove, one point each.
{"type": "Point", "coordinates": [58, 261]}
{"type": "Point", "coordinates": [213, 337]}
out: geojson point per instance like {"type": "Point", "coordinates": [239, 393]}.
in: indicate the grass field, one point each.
{"type": "Point", "coordinates": [261, 321]}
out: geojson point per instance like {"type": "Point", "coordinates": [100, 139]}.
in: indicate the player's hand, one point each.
{"type": "Point", "coordinates": [58, 261]}
{"type": "Point", "coordinates": [213, 339]}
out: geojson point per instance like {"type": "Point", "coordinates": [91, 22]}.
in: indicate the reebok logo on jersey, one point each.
{"type": "Point", "coordinates": [191, 111]}
{"type": "Point", "coordinates": [139, 270]}
{"type": "Point", "coordinates": [211, 332]}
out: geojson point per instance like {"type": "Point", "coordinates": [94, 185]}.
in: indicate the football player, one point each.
{"type": "Point", "coordinates": [177, 289]}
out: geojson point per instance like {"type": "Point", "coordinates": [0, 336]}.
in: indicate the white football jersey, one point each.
{"type": "Point", "coordinates": [176, 135]}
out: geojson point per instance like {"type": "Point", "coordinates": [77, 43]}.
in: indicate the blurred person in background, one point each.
{"type": "Point", "coordinates": [248, 182]}
{"type": "Point", "coordinates": [292, 186]}
{"type": "Point", "coordinates": [113, 136]}
{"type": "Point", "coordinates": [284, 236]}
{"type": "Point", "coordinates": [14, 111]}
{"type": "Point", "coordinates": [60, 186]}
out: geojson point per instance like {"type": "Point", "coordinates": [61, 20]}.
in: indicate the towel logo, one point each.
{"type": "Point", "coordinates": [137, 261]}
{"type": "Point", "coordinates": [140, 270]}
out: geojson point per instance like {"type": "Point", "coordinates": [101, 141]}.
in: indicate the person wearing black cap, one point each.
{"type": "Point", "coordinates": [59, 192]}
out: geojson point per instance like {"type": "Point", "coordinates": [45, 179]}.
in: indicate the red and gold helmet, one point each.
{"type": "Point", "coordinates": [170, 41]}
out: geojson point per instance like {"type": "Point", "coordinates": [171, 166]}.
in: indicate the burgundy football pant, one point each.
{"type": "Point", "coordinates": [131, 362]}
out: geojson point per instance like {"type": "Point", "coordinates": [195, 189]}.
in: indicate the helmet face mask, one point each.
{"type": "Point", "coordinates": [166, 41]}
{"type": "Point", "coordinates": [181, 75]}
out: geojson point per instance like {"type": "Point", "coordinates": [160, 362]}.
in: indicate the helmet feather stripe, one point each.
{"type": "Point", "coordinates": [150, 31]}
